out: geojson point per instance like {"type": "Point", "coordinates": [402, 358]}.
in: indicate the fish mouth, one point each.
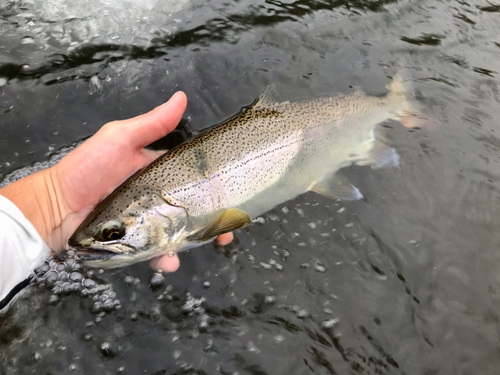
{"type": "Point", "coordinates": [88, 254]}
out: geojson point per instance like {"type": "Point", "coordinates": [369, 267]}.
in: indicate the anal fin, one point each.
{"type": "Point", "coordinates": [335, 185]}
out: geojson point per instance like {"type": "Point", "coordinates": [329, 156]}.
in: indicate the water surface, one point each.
{"type": "Point", "coordinates": [405, 281]}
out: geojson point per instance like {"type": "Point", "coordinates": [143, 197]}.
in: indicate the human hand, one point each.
{"type": "Point", "coordinates": [58, 199]}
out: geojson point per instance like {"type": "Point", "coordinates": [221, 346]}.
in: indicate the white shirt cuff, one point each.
{"type": "Point", "coordinates": [22, 249]}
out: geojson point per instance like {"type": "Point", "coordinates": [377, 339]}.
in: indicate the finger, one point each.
{"type": "Point", "coordinates": [165, 263]}
{"type": "Point", "coordinates": [149, 127]}
{"type": "Point", "coordinates": [224, 239]}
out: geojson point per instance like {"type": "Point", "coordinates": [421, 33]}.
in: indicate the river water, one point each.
{"type": "Point", "coordinates": [406, 281]}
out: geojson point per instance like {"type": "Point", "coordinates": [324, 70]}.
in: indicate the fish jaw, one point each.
{"type": "Point", "coordinates": [90, 251]}
{"type": "Point", "coordinates": [104, 258]}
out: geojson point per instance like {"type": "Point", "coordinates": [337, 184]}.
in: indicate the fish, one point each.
{"type": "Point", "coordinates": [223, 177]}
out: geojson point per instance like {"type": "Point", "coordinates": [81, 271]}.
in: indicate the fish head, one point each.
{"type": "Point", "coordinates": [127, 228]}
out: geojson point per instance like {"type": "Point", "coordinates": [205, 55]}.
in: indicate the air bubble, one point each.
{"type": "Point", "coordinates": [50, 279]}
{"type": "Point", "coordinates": [53, 299]}
{"type": "Point", "coordinates": [252, 348]}
{"type": "Point", "coordinates": [265, 265]}
{"type": "Point", "coordinates": [76, 266]}
{"type": "Point", "coordinates": [156, 281]}
{"type": "Point", "coordinates": [106, 349]}
{"type": "Point", "coordinates": [76, 276]}
{"type": "Point", "coordinates": [42, 269]}
{"type": "Point", "coordinates": [108, 305]}
{"type": "Point", "coordinates": [129, 280]}
{"type": "Point", "coordinates": [61, 267]}
{"type": "Point", "coordinates": [97, 307]}
{"type": "Point", "coordinates": [66, 288]}
{"type": "Point", "coordinates": [319, 267]}
{"type": "Point", "coordinates": [203, 326]}
{"type": "Point", "coordinates": [89, 283]}
{"type": "Point", "coordinates": [102, 287]}
{"type": "Point", "coordinates": [279, 338]}
{"type": "Point", "coordinates": [87, 337]}
{"type": "Point", "coordinates": [270, 299]}
{"type": "Point", "coordinates": [301, 314]}
{"type": "Point", "coordinates": [329, 323]}
{"type": "Point", "coordinates": [28, 40]}
{"type": "Point", "coordinates": [260, 220]}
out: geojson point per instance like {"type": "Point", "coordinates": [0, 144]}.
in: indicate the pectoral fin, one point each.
{"type": "Point", "coordinates": [336, 185]}
{"type": "Point", "coordinates": [230, 220]}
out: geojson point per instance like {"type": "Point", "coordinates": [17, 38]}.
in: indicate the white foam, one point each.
{"type": "Point", "coordinates": [74, 22]}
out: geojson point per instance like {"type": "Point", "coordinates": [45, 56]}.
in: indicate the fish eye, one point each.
{"type": "Point", "coordinates": [112, 230]}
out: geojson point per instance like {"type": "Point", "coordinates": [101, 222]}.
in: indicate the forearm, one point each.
{"type": "Point", "coordinates": [36, 197]}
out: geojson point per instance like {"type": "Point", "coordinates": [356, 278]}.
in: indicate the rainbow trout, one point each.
{"type": "Point", "coordinates": [222, 178]}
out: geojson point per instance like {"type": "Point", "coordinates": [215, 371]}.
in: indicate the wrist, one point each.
{"type": "Point", "coordinates": [38, 198]}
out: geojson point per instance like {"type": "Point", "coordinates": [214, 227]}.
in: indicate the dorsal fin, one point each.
{"type": "Point", "coordinates": [269, 98]}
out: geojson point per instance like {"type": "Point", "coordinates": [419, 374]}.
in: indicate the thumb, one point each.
{"type": "Point", "coordinates": [149, 127]}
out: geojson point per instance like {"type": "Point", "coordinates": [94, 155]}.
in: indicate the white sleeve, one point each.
{"type": "Point", "coordinates": [22, 250]}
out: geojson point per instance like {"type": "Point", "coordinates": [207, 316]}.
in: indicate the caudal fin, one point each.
{"type": "Point", "coordinates": [409, 111]}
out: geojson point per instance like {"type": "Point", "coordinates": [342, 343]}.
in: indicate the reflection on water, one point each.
{"type": "Point", "coordinates": [392, 284]}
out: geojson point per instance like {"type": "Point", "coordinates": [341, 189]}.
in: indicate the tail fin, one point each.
{"type": "Point", "coordinates": [409, 112]}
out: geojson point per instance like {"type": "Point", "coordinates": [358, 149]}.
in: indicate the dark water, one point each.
{"type": "Point", "coordinates": [406, 281]}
